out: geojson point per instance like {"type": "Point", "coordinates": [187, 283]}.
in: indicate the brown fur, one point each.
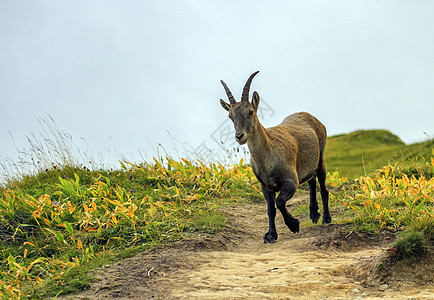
{"type": "Point", "coordinates": [292, 149]}
{"type": "Point", "coordinates": [282, 157]}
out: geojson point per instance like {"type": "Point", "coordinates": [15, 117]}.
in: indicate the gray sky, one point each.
{"type": "Point", "coordinates": [120, 74]}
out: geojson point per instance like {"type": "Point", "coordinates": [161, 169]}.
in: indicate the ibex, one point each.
{"type": "Point", "coordinates": [282, 157]}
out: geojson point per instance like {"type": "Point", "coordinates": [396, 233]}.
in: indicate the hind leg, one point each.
{"type": "Point", "coordinates": [313, 206]}
{"type": "Point", "coordinates": [322, 174]}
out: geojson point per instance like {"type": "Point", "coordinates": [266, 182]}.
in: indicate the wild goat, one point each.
{"type": "Point", "coordinates": [282, 157]}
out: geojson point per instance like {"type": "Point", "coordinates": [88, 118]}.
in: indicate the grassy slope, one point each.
{"type": "Point", "coordinates": [361, 152]}
{"type": "Point", "coordinates": [61, 223]}
{"type": "Point", "coordinates": [47, 244]}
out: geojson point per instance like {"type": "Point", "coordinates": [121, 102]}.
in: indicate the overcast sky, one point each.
{"type": "Point", "coordinates": [119, 75]}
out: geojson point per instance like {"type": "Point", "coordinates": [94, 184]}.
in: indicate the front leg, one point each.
{"type": "Point", "coordinates": [288, 190]}
{"type": "Point", "coordinates": [271, 235]}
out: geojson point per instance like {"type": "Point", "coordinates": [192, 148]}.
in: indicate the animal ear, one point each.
{"type": "Point", "coordinates": [255, 100]}
{"type": "Point", "coordinates": [225, 105]}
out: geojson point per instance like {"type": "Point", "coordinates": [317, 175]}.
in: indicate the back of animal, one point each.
{"type": "Point", "coordinates": [302, 124]}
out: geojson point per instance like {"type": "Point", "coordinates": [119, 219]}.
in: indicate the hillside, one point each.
{"type": "Point", "coordinates": [364, 151]}
{"type": "Point", "coordinates": [63, 226]}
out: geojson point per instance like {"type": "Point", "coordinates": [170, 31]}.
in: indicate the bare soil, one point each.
{"type": "Point", "coordinates": [320, 262]}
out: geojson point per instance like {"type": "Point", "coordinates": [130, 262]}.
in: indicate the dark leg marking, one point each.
{"type": "Point", "coordinates": [322, 174]}
{"type": "Point", "coordinates": [271, 235]}
{"type": "Point", "coordinates": [286, 193]}
{"type": "Point", "coordinates": [313, 206]}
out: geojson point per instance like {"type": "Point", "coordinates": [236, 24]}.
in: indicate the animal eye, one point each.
{"type": "Point", "coordinates": [250, 112]}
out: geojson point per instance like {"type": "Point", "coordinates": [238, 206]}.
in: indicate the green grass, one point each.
{"type": "Point", "coordinates": [362, 152]}
{"type": "Point", "coordinates": [61, 223]}
{"type": "Point", "coordinates": [393, 190]}
{"type": "Point", "coordinates": [411, 244]}
{"type": "Point", "coordinates": [392, 200]}
{"type": "Point", "coordinates": [64, 221]}
{"type": "Point", "coordinates": [415, 240]}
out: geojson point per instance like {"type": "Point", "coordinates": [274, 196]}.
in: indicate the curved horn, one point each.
{"type": "Point", "coordinates": [245, 96]}
{"type": "Point", "coordinates": [228, 92]}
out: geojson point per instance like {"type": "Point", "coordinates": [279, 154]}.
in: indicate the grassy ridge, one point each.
{"type": "Point", "coordinates": [362, 152]}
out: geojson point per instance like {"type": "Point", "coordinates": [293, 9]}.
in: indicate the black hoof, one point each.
{"type": "Point", "coordinates": [294, 226]}
{"type": "Point", "coordinates": [315, 217]}
{"type": "Point", "coordinates": [270, 238]}
{"type": "Point", "coordinates": [327, 219]}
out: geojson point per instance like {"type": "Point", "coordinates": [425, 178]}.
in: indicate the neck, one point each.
{"type": "Point", "coordinates": [258, 143]}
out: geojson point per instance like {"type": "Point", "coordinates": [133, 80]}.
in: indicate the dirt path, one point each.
{"type": "Point", "coordinates": [321, 262]}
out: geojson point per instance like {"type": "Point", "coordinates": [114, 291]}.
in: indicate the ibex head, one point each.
{"type": "Point", "coordinates": [243, 113]}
